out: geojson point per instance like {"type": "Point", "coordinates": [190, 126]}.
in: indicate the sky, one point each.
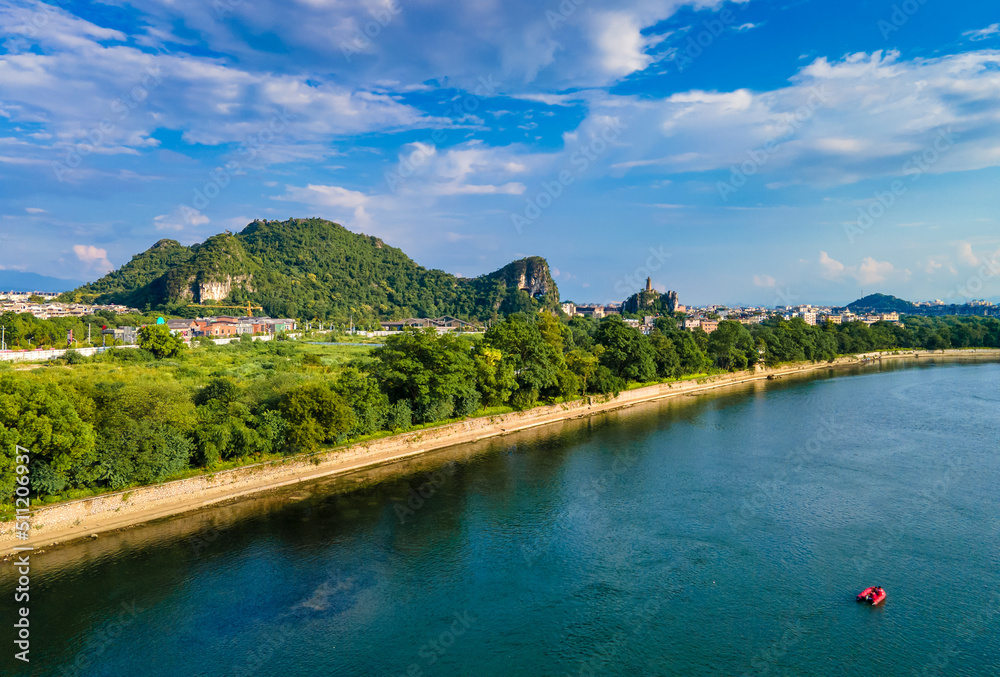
{"type": "Point", "coordinates": [759, 152]}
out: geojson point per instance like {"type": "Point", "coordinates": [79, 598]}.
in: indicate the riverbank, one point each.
{"type": "Point", "coordinates": [90, 516]}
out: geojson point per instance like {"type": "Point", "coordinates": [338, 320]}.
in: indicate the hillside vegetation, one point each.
{"type": "Point", "coordinates": [312, 268]}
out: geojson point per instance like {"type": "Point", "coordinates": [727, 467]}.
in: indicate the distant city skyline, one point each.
{"type": "Point", "coordinates": [749, 152]}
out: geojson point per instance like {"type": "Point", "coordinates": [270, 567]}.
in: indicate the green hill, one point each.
{"type": "Point", "coordinates": [881, 303]}
{"type": "Point", "coordinates": [312, 268]}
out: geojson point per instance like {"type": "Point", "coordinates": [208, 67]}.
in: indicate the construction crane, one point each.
{"type": "Point", "coordinates": [249, 308]}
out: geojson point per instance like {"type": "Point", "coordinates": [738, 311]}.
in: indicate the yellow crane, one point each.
{"type": "Point", "coordinates": [249, 308]}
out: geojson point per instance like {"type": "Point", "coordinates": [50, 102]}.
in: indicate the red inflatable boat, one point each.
{"type": "Point", "coordinates": [873, 595]}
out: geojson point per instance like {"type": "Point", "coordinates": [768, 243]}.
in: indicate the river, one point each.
{"type": "Point", "coordinates": [718, 534]}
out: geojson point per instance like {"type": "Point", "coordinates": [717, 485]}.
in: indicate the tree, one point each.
{"type": "Point", "coordinates": [627, 352]}
{"type": "Point", "coordinates": [42, 419]}
{"type": "Point", "coordinates": [429, 370]}
{"type": "Point", "coordinates": [369, 404]}
{"type": "Point", "coordinates": [315, 415]}
{"type": "Point", "coordinates": [668, 363]}
{"type": "Point", "coordinates": [158, 340]}
{"type": "Point", "coordinates": [732, 346]}
{"type": "Point", "coordinates": [534, 362]}
{"type": "Point", "coordinates": [583, 363]}
{"type": "Point", "coordinates": [494, 375]}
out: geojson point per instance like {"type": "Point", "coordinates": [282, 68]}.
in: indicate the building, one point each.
{"type": "Point", "coordinates": [708, 326]}
{"type": "Point", "coordinates": [441, 324]}
{"type": "Point", "coordinates": [121, 335]}
{"type": "Point", "coordinates": [596, 312]}
{"type": "Point", "coordinates": [183, 328]}
{"type": "Point", "coordinates": [569, 308]}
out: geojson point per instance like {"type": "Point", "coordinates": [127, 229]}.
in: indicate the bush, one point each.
{"type": "Point", "coordinates": [437, 410]}
{"type": "Point", "coordinates": [524, 399]}
{"type": "Point", "coordinates": [399, 416]}
{"type": "Point", "coordinates": [315, 415]}
{"type": "Point", "coordinates": [467, 404]}
{"type": "Point", "coordinates": [604, 382]}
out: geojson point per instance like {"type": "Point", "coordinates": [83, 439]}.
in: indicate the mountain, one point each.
{"type": "Point", "coordinates": [881, 303]}
{"type": "Point", "coordinates": [312, 268]}
{"type": "Point", "coordinates": [12, 280]}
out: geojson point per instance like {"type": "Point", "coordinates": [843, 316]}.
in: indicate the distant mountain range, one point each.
{"type": "Point", "coordinates": [12, 280]}
{"type": "Point", "coordinates": [312, 268]}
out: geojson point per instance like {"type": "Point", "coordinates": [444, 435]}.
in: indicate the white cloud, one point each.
{"type": "Point", "coordinates": [983, 33]}
{"type": "Point", "coordinates": [871, 271]}
{"type": "Point", "coordinates": [92, 256]}
{"type": "Point", "coordinates": [838, 122]}
{"type": "Point", "coordinates": [765, 281]}
{"type": "Point", "coordinates": [831, 268]}
{"type": "Point", "coordinates": [966, 255]}
{"type": "Point", "coordinates": [622, 46]}
{"type": "Point", "coordinates": [34, 210]}
{"type": "Point", "coordinates": [336, 197]}
{"type": "Point", "coordinates": [180, 218]}
{"type": "Point", "coordinates": [92, 95]}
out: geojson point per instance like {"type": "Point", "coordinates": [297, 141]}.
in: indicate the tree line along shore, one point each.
{"type": "Point", "coordinates": [163, 411]}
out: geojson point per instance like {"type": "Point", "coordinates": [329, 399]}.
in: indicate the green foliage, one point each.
{"type": "Point", "coordinates": [526, 353]}
{"type": "Point", "coordinates": [157, 340]}
{"type": "Point", "coordinates": [315, 415]}
{"type": "Point", "coordinates": [627, 353]}
{"type": "Point", "coordinates": [43, 419]}
{"type": "Point", "coordinates": [311, 268]}
{"type": "Point", "coordinates": [428, 370]}
{"type": "Point", "coordinates": [495, 376]}
{"type": "Point", "coordinates": [732, 346]}
{"type": "Point", "coordinates": [124, 418]}
{"type": "Point", "coordinates": [399, 416]}
{"type": "Point", "coordinates": [370, 405]}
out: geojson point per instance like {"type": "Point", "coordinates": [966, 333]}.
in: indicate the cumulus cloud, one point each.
{"type": "Point", "coordinates": [966, 255]}
{"type": "Point", "coordinates": [93, 257]}
{"type": "Point", "coordinates": [830, 268]}
{"type": "Point", "coordinates": [94, 95]}
{"type": "Point", "coordinates": [468, 169]}
{"type": "Point", "coordinates": [341, 199]}
{"type": "Point", "coordinates": [838, 122]}
{"type": "Point", "coordinates": [869, 271]}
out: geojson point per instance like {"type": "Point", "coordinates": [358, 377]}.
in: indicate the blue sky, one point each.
{"type": "Point", "coordinates": [755, 152]}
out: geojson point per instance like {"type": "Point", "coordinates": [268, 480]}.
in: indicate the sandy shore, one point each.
{"type": "Point", "coordinates": [87, 517]}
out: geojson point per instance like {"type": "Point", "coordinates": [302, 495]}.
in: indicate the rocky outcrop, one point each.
{"type": "Point", "coordinates": [531, 275]}
{"type": "Point", "coordinates": [650, 300]}
{"type": "Point", "coordinates": [219, 290]}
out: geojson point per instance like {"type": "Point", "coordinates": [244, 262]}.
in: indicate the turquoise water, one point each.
{"type": "Point", "coordinates": [709, 535]}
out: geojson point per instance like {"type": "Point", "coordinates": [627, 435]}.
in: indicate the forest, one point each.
{"type": "Point", "coordinates": [129, 417]}
{"type": "Point", "coordinates": [314, 269]}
